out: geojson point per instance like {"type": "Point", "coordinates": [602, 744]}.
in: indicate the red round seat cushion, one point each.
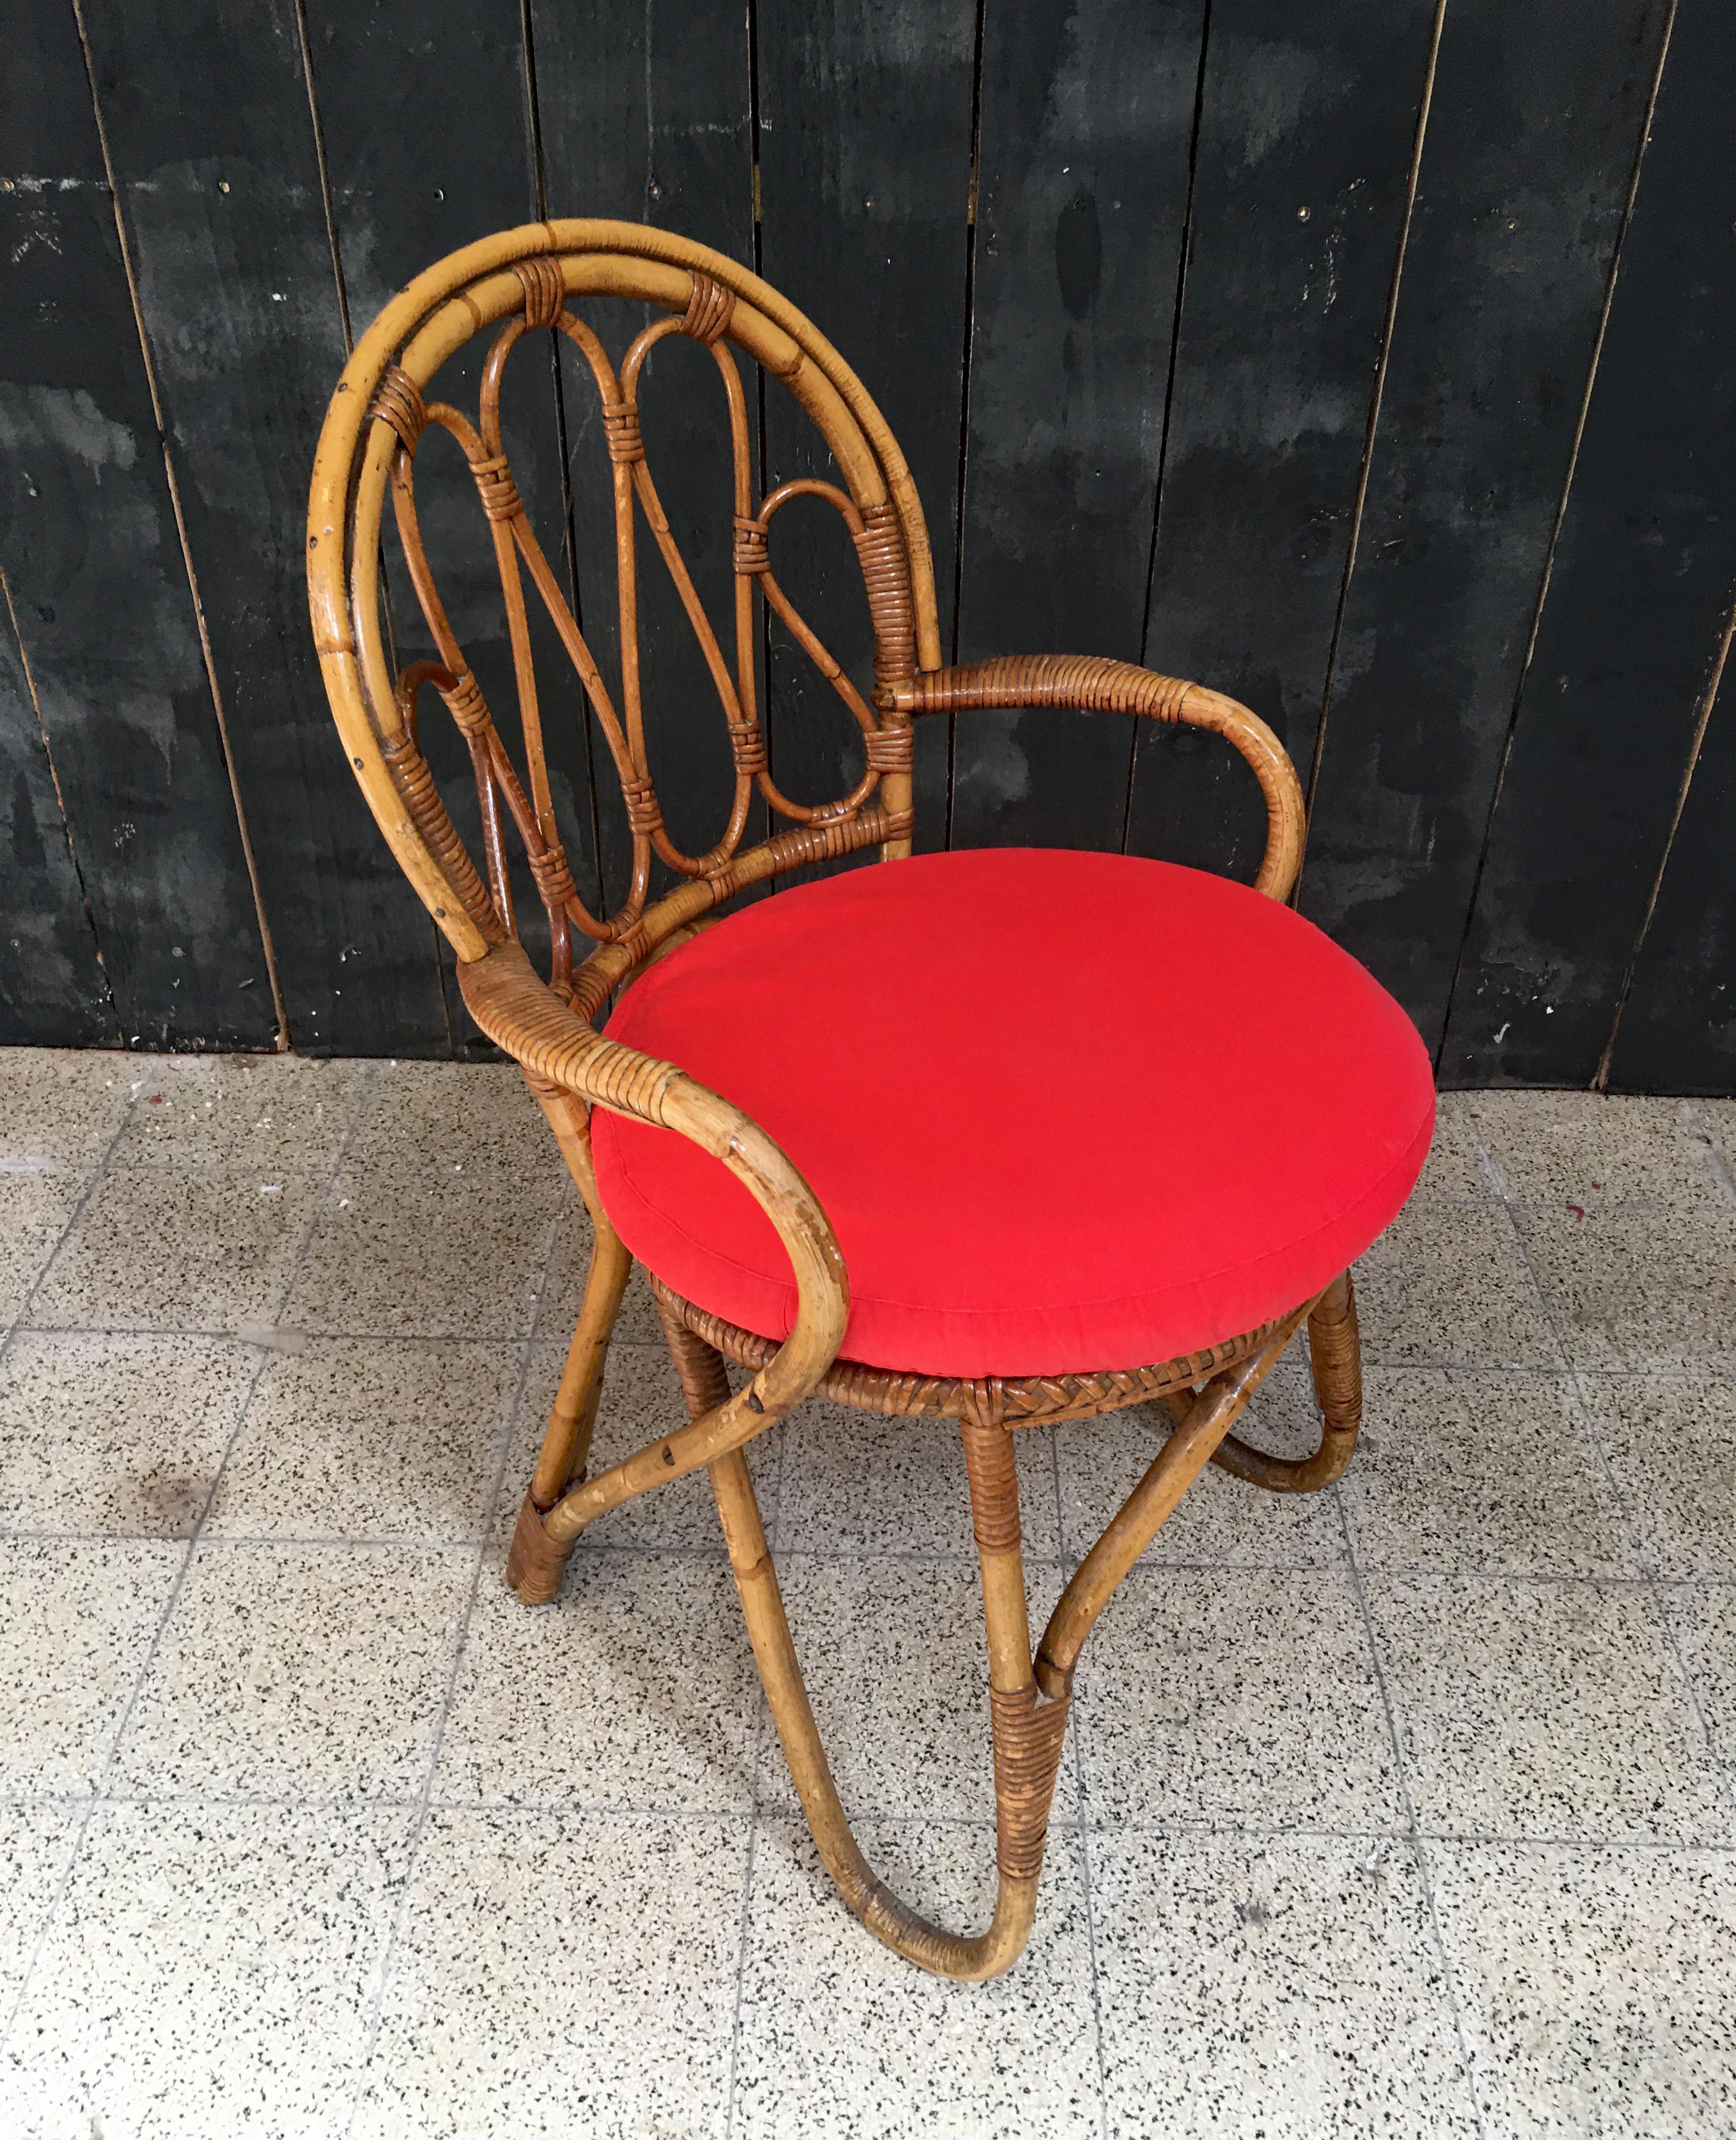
{"type": "Point", "coordinates": [1067, 1112]}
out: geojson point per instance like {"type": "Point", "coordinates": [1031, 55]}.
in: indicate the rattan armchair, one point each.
{"type": "Point", "coordinates": [805, 1338]}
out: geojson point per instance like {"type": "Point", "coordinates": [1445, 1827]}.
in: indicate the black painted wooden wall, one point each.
{"type": "Point", "coordinates": [1374, 361]}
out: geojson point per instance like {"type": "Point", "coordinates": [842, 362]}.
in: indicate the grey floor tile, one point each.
{"type": "Point", "coordinates": [1703, 1617]}
{"type": "Point", "coordinates": [241, 1112]}
{"type": "Point", "coordinates": [1221, 1522]}
{"type": "Point", "coordinates": [641, 1400]}
{"type": "Point", "coordinates": [568, 1938]}
{"type": "Point", "coordinates": [1596, 1988]}
{"type": "Point", "coordinates": [210, 1972]}
{"type": "Point", "coordinates": [839, 2037]}
{"type": "Point", "coordinates": [1281, 1985]}
{"type": "Point", "coordinates": [76, 1623]}
{"type": "Point", "coordinates": [369, 1438]}
{"type": "Point", "coordinates": [563, 1290]}
{"type": "Point", "coordinates": [1465, 1470]}
{"type": "Point", "coordinates": [1549, 1711]}
{"type": "Point", "coordinates": [1447, 1284]}
{"type": "Point", "coordinates": [1718, 1119]}
{"type": "Point", "coordinates": [36, 1843]}
{"type": "Point", "coordinates": [856, 1482]}
{"type": "Point", "coordinates": [897, 1668]}
{"type": "Point", "coordinates": [403, 1257]}
{"type": "Point", "coordinates": [60, 1107]}
{"type": "Point", "coordinates": [473, 1121]}
{"type": "Point", "coordinates": [36, 1204]}
{"type": "Point", "coordinates": [562, 1974]}
{"type": "Point", "coordinates": [1240, 1695]}
{"type": "Point", "coordinates": [1671, 1440]}
{"type": "Point", "coordinates": [294, 1670]}
{"type": "Point", "coordinates": [158, 1249]}
{"type": "Point", "coordinates": [1634, 1288]}
{"type": "Point", "coordinates": [1594, 1149]}
{"type": "Point", "coordinates": [117, 1433]}
{"type": "Point", "coordinates": [1455, 1170]}
{"type": "Point", "coordinates": [636, 1689]}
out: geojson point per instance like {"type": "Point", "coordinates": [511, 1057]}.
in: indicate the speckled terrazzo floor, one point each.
{"type": "Point", "coordinates": [1405, 1809]}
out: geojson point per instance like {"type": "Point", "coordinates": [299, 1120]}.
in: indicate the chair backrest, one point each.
{"type": "Point", "coordinates": [517, 283]}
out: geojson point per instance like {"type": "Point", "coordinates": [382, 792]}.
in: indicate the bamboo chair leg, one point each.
{"type": "Point", "coordinates": [1335, 1356]}
{"type": "Point", "coordinates": [1028, 1731]}
{"type": "Point", "coordinates": [536, 1560]}
{"type": "Point", "coordinates": [1183, 1457]}
{"type": "Point", "coordinates": [543, 1540]}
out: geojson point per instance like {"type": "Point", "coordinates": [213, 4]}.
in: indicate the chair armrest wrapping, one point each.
{"type": "Point", "coordinates": [1087, 683]}
{"type": "Point", "coordinates": [520, 1013]}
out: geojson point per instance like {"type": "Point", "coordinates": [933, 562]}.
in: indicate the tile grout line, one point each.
{"type": "Point", "coordinates": [761, 1717]}
{"type": "Point", "coordinates": [1449, 1978]}
{"type": "Point", "coordinates": [20, 1324]}
{"type": "Point", "coordinates": [422, 1807]}
{"type": "Point", "coordinates": [1083, 1832]}
{"type": "Point", "coordinates": [1724, 1771]}
{"type": "Point", "coordinates": [1495, 1181]}
{"type": "Point", "coordinates": [62, 1886]}
{"type": "Point", "coordinates": [1075, 1756]}
{"type": "Point", "coordinates": [679, 1815]}
{"type": "Point", "coordinates": [1500, 1189]}
{"type": "Point", "coordinates": [1591, 1426]}
{"type": "Point", "coordinates": [1413, 1834]}
{"type": "Point", "coordinates": [98, 1797]}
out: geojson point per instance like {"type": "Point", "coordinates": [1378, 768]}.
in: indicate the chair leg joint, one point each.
{"type": "Point", "coordinates": [536, 1561]}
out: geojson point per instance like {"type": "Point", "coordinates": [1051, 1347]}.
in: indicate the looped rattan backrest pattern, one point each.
{"type": "Point", "coordinates": [518, 284]}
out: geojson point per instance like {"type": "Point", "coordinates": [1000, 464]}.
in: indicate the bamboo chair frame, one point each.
{"type": "Point", "coordinates": [517, 283]}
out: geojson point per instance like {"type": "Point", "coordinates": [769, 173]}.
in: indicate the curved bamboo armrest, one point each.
{"type": "Point", "coordinates": [518, 1013]}
{"type": "Point", "coordinates": [1088, 682]}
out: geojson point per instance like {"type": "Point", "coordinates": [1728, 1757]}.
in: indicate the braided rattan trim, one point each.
{"type": "Point", "coordinates": [994, 1486]}
{"type": "Point", "coordinates": [546, 1043]}
{"type": "Point", "coordinates": [700, 1368]}
{"type": "Point", "coordinates": [495, 487]}
{"type": "Point", "coordinates": [751, 552]}
{"type": "Point", "coordinates": [886, 576]}
{"type": "Point", "coordinates": [643, 813]}
{"type": "Point", "coordinates": [1028, 1734]}
{"type": "Point", "coordinates": [1088, 682]}
{"type": "Point", "coordinates": [397, 401]}
{"type": "Point", "coordinates": [466, 704]}
{"type": "Point", "coordinates": [747, 748]}
{"type": "Point", "coordinates": [414, 782]}
{"type": "Point", "coordinates": [554, 877]}
{"type": "Point", "coordinates": [544, 292]}
{"type": "Point", "coordinates": [1030, 1401]}
{"type": "Point", "coordinates": [1337, 1359]}
{"type": "Point", "coordinates": [892, 749]}
{"type": "Point", "coordinates": [621, 430]}
{"type": "Point", "coordinates": [709, 309]}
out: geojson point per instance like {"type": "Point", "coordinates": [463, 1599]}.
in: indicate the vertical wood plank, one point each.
{"type": "Point", "coordinates": [1634, 617]}
{"type": "Point", "coordinates": [645, 115]}
{"type": "Point", "coordinates": [206, 109]}
{"type": "Point", "coordinates": [865, 110]}
{"type": "Point", "coordinates": [53, 992]}
{"type": "Point", "coordinates": [1534, 125]}
{"type": "Point", "coordinates": [426, 130]}
{"type": "Point", "coordinates": [105, 614]}
{"type": "Point", "coordinates": [1087, 119]}
{"type": "Point", "coordinates": [1678, 1030]}
{"type": "Point", "coordinates": [1308, 124]}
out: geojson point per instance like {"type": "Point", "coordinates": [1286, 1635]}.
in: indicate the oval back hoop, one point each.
{"type": "Point", "coordinates": [517, 283]}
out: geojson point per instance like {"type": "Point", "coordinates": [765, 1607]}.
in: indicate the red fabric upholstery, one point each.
{"type": "Point", "coordinates": [1066, 1111]}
